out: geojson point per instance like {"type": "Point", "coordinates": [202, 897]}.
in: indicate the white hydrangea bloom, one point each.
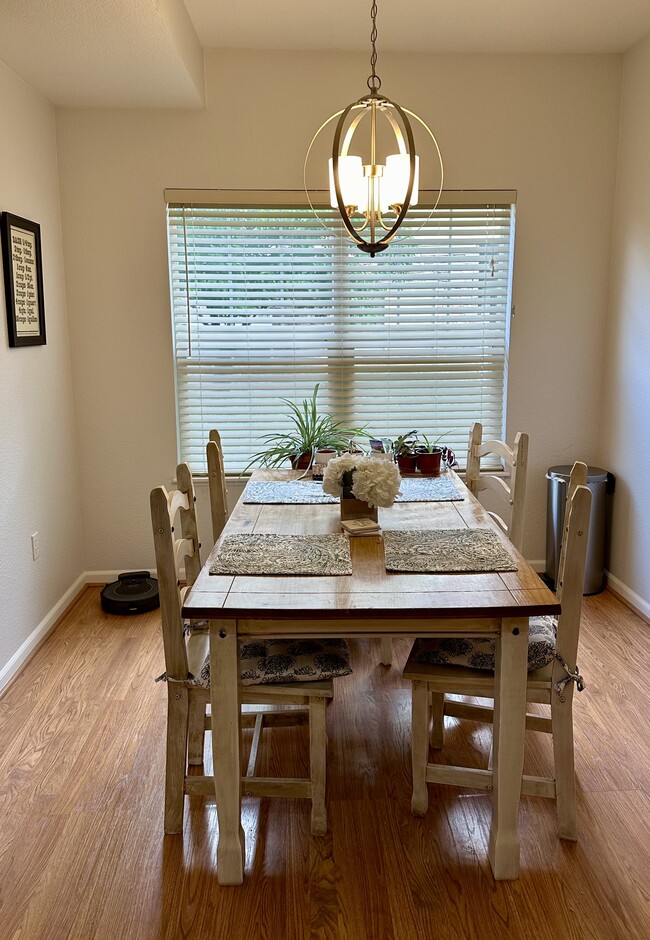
{"type": "Point", "coordinates": [376, 482]}
{"type": "Point", "coordinates": [334, 470]}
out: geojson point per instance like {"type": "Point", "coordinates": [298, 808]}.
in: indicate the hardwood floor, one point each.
{"type": "Point", "coordinates": [82, 851]}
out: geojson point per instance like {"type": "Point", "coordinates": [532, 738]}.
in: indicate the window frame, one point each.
{"type": "Point", "coordinates": [176, 198]}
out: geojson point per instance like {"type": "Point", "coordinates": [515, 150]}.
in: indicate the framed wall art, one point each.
{"type": "Point", "coordinates": [22, 265]}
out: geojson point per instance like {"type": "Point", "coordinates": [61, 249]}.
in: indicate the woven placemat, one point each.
{"type": "Point", "coordinates": [283, 554]}
{"type": "Point", "coordinates": [288, 491]}
{"type": "Point", "coordinates": [446, 550]}
{"type": "Point", "coordinates": [428, 490]}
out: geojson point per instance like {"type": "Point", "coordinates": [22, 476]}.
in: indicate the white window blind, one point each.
{"type": "Point", "coordinates": [266, 303]}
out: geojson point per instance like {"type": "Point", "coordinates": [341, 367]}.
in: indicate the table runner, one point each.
{"type": "Point", "coordinates": [428, 490]}
{"type": "Point", "coordinates": [446, 550]}
{"type": "Point", "coordinates": [286, 491]}
{"type": "Point", "coordinates": [251, 554]}
{"type": "Point", "coordinates": [412, 490]}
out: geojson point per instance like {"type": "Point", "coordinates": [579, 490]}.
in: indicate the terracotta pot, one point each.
{"type": "Point", "coordinates": [406, 464]}
{"type": "Point", "coordinates": [429, 463]}
{"type": "Point", "coordinates": [301, 462]}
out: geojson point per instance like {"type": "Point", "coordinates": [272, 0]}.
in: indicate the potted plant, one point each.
{"type": "Point", "coordinates": [404, 450]}
{"type": "Point", "coordinates": [309, 433]}
{"type": "Point", "coordinates": [321, 458]}
{"type": "Point", "coordinates": [430, 455]}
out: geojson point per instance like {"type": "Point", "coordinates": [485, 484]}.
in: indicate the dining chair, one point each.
{"type": "Point", "coordinates": [512, 491]}
{"type": "Point", "coordinates": [187, 674]}
{"type": "Point", "coordinates": [463, 666]}
{"type": "Point", "coordinates": [217, 483]}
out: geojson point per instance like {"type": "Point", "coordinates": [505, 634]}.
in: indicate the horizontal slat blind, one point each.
{"type": "Point", "coordinates": [266, 302]}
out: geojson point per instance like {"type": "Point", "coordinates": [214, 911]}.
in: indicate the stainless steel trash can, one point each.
{"type": "Point", "coordinates": [600, 483]}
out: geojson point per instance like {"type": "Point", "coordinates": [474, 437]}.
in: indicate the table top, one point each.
{"type": "Point", "coordinates": [370, 592]}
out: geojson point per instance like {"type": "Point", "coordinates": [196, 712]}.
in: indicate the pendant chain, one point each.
{"type": "Point", "coordinates": [374, 81]}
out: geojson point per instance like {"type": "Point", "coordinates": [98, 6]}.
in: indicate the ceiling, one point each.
{"type": "Point", "coordinates": [105, 53]}
{"type": "Point", "coordinates": [148, 53]}
{"type": "Point", "coordinates": [423, 25]}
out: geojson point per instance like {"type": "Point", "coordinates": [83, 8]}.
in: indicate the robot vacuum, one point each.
{"type": "Point", "coordinates": [134, 592]}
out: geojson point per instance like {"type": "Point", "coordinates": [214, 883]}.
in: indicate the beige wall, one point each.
{"type": "Point", "coordinates": [38, 449]}
{"type": "Point", "coordinates": [626, 413]}
{"type": "Point", "coordinates": [544, 125]}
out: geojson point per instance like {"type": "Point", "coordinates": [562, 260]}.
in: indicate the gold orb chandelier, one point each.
{"type": "Point", "coordinates": [373, 197]}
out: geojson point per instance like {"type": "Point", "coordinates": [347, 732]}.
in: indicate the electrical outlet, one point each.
{"type": "Point", "coordinates": [36, 547]}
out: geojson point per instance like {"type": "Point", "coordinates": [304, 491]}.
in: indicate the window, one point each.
{"type": "Point", "coordinates": [266, 303]}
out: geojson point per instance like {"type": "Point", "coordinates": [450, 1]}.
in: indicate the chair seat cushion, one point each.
{"type": "Point", "coordinates": [293, 660]}
{"type": "Point", "coordinates": [268, 661]}
{"type": "Point", "coordinates": [479, 652]}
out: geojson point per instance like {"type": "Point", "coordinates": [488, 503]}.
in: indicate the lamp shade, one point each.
{"type": "Point", "coordinates": [354, 188]}
{"type": "Point", "coordinates": [395, 179]}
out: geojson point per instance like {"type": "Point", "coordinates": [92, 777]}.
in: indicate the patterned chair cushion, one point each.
{"type": "Point", "coordinates": [267, 661]}
{"type": "Point", "coordinates": [478, 653]}
{"type": "Point", "coordinates": [293, 660]}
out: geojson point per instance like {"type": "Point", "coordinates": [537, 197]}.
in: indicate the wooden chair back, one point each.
{"type": "Point", "coordinates": [571, 570]}
{"type": "Point", "coordinates": [515, 460]}
{"type": "Point", "coordinates": [217, 483]}
{"type": "Point", "coordinates": [171, 550]}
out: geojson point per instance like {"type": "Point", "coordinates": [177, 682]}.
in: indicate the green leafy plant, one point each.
{"type": "Point", "coordinates": [310, 432]}
{"type": "Point", "coordinates": [429, 446]}
{"type": "Point", "coordinates": [405, 444]}
{"type": "Point", "coordinates": [434, 445]}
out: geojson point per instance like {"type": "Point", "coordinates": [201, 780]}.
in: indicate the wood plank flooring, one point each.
{"type": "Point", "coordinates": [83, 855]}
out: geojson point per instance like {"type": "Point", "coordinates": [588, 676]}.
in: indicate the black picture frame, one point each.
{"type": "Point", "coordinates": [22, 266]}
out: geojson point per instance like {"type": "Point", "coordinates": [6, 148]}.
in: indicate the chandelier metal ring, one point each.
{"type": "Point", "coordinates": [342, 114]}
{"type": "Point", "coordinates": [373, 246]}
{"type": "Point", "coordinates": [373, 188]}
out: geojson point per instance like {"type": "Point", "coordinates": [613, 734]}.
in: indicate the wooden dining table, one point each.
{"type": "Point", "coordinates": [369, 603]}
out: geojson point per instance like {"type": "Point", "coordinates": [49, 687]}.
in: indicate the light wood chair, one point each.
{"type": "Point", "coordinates": [185, 661]}
{"type": "Point", "coordinates": [551, 685]}
{"type": "Point", "coordinates": [512, 491]}
{"type": "Point", "coordinates": [217, 483]}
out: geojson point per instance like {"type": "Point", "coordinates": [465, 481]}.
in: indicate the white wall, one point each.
{"type": "Point", "coordinates": [38, 448]}
{"type": "Point", "coordinates": [626, 414]}
{"type": "Point", "coordinates": [544, 125]}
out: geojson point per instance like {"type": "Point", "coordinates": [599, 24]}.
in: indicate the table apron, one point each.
{"type": "Point", "coordinates": [366, 626]}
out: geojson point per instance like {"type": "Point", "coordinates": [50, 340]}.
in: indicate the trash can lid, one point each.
{"type": "Point", "coordinates": [563, 472]}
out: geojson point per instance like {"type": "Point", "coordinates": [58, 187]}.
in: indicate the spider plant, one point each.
{"type": "Point", "coordinates": [309, 432]}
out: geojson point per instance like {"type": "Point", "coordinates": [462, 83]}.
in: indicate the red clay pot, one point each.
{"type": "Point", "coordinates": [406, 463]}
{"type": "Point", "coordinates": [301, 462]}
{"type": "Point", "coordinates": [429, 463]}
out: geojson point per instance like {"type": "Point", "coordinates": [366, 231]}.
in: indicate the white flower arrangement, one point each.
{"type": "Point", "coordinates": [376, 482]}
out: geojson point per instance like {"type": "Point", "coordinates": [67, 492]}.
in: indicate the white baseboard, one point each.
{"type": "Point", "coordinates": [538, 566]}
{"type": "Point", "coordinates": [38, 635]}
{"type": "Point", "coordinates": [105, 577]}
{"type": "Point", "coordinates": [633, 599]}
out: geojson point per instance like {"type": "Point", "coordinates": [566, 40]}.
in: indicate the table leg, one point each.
{"type": "Point", "coordinates": [226, 745]}
{"type": "Point", "coordinates": [509, 729]}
